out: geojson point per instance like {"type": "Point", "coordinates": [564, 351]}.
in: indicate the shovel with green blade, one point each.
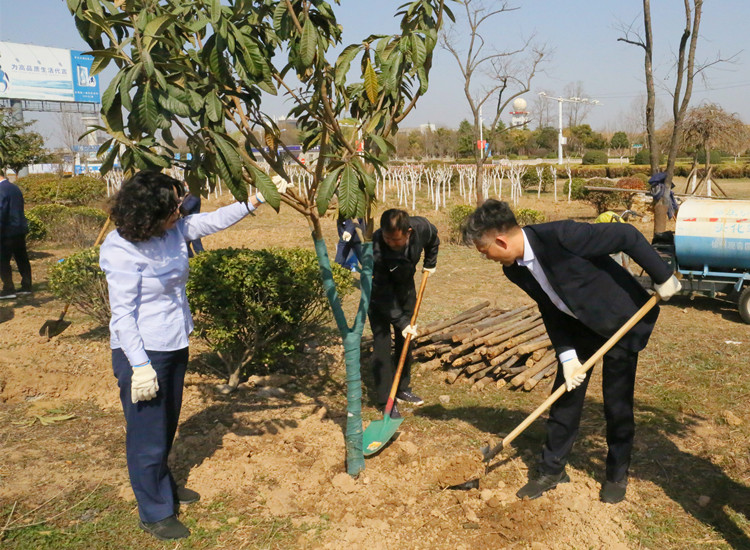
{"type": "Point", "coordinates": [379, 432]}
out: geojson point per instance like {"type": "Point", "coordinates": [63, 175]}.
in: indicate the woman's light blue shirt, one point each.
{"type": "Point", "coordinates": [147, 283]}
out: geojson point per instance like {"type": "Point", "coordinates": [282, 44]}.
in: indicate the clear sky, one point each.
{"type": "Point", "coordinates": [582, 34]}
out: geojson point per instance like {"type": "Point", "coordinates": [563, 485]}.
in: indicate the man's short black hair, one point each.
{"type": "Point", "coordinates": [144, 203]}
{"type": "Point", "coordinates": [493, 215]}
{"type": "Point", "coordinates": [395, 220]}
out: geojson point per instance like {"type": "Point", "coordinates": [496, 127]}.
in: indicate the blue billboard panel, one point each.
{"type": "Point", "coordinates": [85, 86]}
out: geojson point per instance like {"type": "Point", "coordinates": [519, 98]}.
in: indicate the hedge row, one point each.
{"type": "Point", "coordinates": [51, 188]}
{"type": "Point", "coordinates": [71, 225]}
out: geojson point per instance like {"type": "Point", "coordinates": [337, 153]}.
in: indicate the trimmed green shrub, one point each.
{"type": "Point", "coordinates": [51, 188]}
{"type": "Point", "coordinates": [602, 200]}
{"type": "Point", "coordinates": [530, 179]}
{"type": "Point", "coordinates": [456, 217]}
{"type": "Point", "coordinates": [255, 307]}
{"type": "Point", "coordinates": [594, 156]}
{"type": "Point", "coordinates": [79, 280]}
{"type": "Point", "coordinates": [715, 156]}
{"type": "Point", "coordinates": [643, 156]}
{"type": "Point", "coordinates": [76, 225]}
{"type": "Point", "coordinates": [577, 193]}
{"type": "Point", "coordinates": [37, 228]}
{"type": "Point", "coordinates": [528, 216]}
{"type": "Point", "coordinates": [616, 171]}
{"type": "Point", "coordinates": [581, 171]}
{"type": "Point", "coordinates": [728, 171]}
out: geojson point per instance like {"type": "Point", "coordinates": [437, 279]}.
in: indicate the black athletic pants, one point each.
{"type": "Point", "coordinates": [386, 352]}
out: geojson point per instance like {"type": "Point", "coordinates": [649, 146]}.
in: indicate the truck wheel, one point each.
{"type": "Point", "coordinates": [743, 304]}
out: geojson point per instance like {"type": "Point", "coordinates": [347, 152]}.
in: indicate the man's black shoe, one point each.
{"type": "Point", "coordinates": [614, 491]}
{"type": "Point", "coordinates": [408, 397]}
{"type": "Point", "coordinates": [394, 412]}
{"type": "Point", "coordinates": [186, 496]}
{"type": "Point", "coordinates": [167, 529]}
{"type": "Point", "coordinates": [7, 294]}
{"type": "Point", "coordinates": [536, 487]}
{"type": "Point", "coordinates": [24, 292]}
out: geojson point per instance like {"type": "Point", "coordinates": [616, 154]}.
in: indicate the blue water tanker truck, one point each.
{"type": "Point", "coordinates": [710, 247]}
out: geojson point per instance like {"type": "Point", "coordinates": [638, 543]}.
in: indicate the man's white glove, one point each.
{"type": "Point", "coordinates": [346, 236]}
{"type": "Point", "coordinates": [430, 270]}
{"type": "Point", "coordinates": [410, 330]}
{"type": "Point", "coordinates": [143, 384]}
{"type": "Point", "coordinates": [570, 366]}
{"type": "Point", "coordinates": [668, 288]}
{"type": "Point", "coordinates": [281, 184]}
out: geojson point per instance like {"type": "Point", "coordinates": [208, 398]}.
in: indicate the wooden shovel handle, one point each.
{"type": "Point", "coordinates": [584, 368]}
{"type": "Point", "coordinates": [405, 349]}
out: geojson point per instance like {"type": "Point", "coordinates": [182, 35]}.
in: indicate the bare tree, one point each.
{"type": "Point", "coordinates": [543, 110]}
{"type": "Point", "coordinates": [70, 127]}
{"type": "Point", "coordinates": [488, 72]}
{"type": "Point", "coordinates": [685, 71]}
{"type": "Point", "coordinates": [576, 111]}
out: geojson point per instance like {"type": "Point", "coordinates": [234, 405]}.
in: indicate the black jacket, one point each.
{"type": "Point", "coordinates": [12, 218]}
{"type": "Point", "coordinates": [601, 293]}
{"type": "Point", "coordinates": [393, 289]}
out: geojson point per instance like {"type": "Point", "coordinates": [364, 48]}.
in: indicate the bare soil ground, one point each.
{"type": "Point", "coordinates": [269, 459]}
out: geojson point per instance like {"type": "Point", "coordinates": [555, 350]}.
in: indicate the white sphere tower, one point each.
{"type": "Point", "coordinates": [519, 114]}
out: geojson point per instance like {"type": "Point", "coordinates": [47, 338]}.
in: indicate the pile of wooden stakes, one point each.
{"type": "Point", "coordinates": [486, 345]}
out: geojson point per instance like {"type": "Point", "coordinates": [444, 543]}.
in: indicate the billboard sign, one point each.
{"type": "Point", "coordinates": [46, 74]}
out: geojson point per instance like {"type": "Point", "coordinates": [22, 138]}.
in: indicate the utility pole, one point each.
{"type": "Point", "coordinates": [560, 139]}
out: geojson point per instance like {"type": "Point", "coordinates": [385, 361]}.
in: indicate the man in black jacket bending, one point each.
{"type": "Point", "coordinates": [584, 297]}
{"type": "Point", "coordinates": [397, 247]}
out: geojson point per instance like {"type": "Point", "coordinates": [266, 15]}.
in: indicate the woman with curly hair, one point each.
{"type": "Point", "coordinates": [146, 264]}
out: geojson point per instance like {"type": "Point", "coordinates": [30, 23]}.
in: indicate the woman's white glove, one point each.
{"type": "Point", "coordinates": [668, 288]}
{"type": "Point", "coordinates": [143, 384]}
{"type": "Point", "coordinates": [410, 330]}
{"type": "Point", "coordinates": [572, 380]}
{"type": "Point", "coordinates": [430, 270]}
{"type": "Point", "coordinates": [281, 184]}
{"type": "Point", "coordinates": [346, 236]}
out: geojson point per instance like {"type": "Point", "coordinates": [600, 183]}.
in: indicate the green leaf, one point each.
{"type": "Point", "coordinates": [344, 62]}
{"type": "Point", "coordinates": [263, 182]}
{"type": "Point", "coordinates": [423, 81]}
{"type": "Point", "coordinates": [109, 160]}
{"type": "Point", "coordinates": [348, 192]}
{"type": "Point", "coordinates": [382, 144]}
{"type": "Point", "coordinates": [151, 32]}
{"type": "Point", "coordinates": [100, 62]}
{"type": "Point", "coordinates": [371, 82]}
{"type": "Point", "coordinates": [215, 11]}
{"type": "Point", "coordinates": [308, 43]}
{"type": "Point", "coordinates": [147, 110]}
{"type": "Point", "coordinates": [228, 150]}
{"type": "Point", "coordinates": [213, 107]}
{"type": "Point", "coordinates": [109, 94]}
{"type": "Point", "coordinates": [278, 15]}
{"type": "Point", "coordinates": [327, 189]}
{"type": "Point", "coordinates": [418, 51]}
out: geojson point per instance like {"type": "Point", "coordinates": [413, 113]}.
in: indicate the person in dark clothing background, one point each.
{"type": "Point", "coordinates": [191, 204]}
{"type": "Point", "coordinates": [397, 248]}
{"type": "Point", "coordinates": [584, 297]}
{"type": "Point", "coordinates": [13, 230]}
{"type": "Point", "coordinates": [349, 248]}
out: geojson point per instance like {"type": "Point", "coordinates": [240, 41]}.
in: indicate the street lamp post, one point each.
{"type": "Point", "coordinates": [560, 100]}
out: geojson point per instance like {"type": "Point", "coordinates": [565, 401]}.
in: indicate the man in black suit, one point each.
{"type": "Point", "coordinates": [396, 248]}
{"type": "Point", "coordinates": [584, 297]}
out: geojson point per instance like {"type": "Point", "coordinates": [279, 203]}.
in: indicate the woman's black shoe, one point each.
{"type": "Point", "coordinates": [167, 529]}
